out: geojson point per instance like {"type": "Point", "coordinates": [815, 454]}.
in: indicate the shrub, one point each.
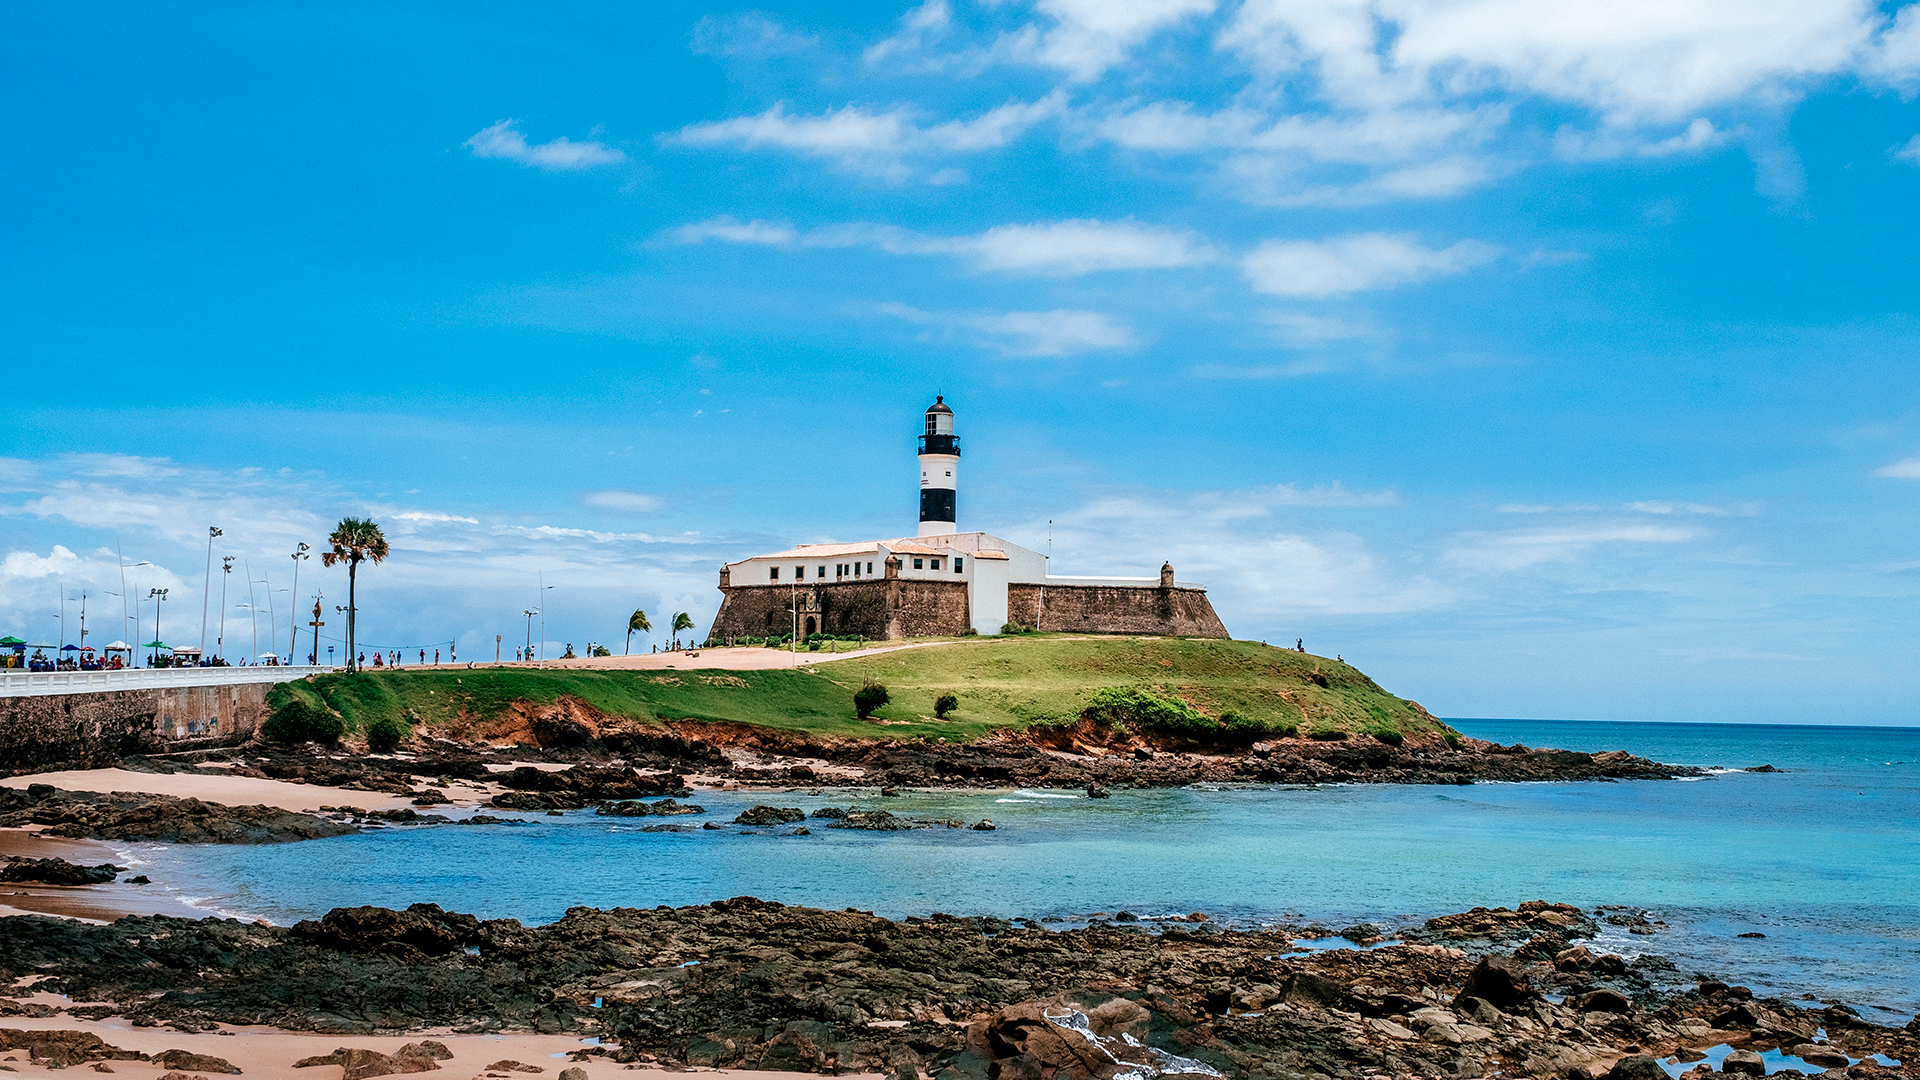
{"type": "Point", "coordinates": [299, 720]}
{"type": "Point", "coordinates": [868, 698]}
{"type": "Point", "coordinates": [1125, 706]}
{"type": "Point", "coordinates": [1015, 628]}
{"type": "Point", "coordinates": [1389, 736]}
{"type": "Point", "coordinates": [386, 733]}
{"type": "Point", "coordinates": [813, 646]}
{"type": "Point", "coordinates": [601, 650]}
{"type": "Point", "coordinates": [945, 704]}
{"type": "Point", "coordinates": [1327, 734]}
{"type": "Point", "coordinates": [1453, 740]}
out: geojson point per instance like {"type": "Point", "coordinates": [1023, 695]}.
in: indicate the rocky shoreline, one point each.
{"type": "Point", "coordinates": [753, 984]}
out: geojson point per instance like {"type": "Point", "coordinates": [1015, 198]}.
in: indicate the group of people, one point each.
{"type": "Point", "coordinates": [84, 661]}
{"type": "Point", "coordinates": [391, 658]}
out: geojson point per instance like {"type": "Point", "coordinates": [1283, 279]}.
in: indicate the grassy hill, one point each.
{"type": "Point", "coordinates": [1253, 689]}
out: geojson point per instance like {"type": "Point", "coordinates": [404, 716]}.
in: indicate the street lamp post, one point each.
{"type": "Point", "coordinates": [529, 613]}
{"type": "Point", "coordinates": [158, 596]}
{"type": "Point", "coordinates": [293, 628]}
{"type": "Point", "coordinates": [206, 589]}
{"type": "Point", "coordinates": [226, 571]}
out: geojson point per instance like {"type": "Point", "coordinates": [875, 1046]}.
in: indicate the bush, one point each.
{"type": "Point", "coordinates": [1126, 706]}
{"type": "Point", "coordinates": [945, 704]}
{"type": "Point", "coordinates": [298, 720]}
{"type": "Point", "coordinates": [1327, 734]}
{"type": "Point", "coordinates": [1389, 736]}
{"type": "Point", "coordinates": [1015, 628]}
{"type": "Point", "coordinates": [386, 733]}
{"type": "Point", "coordinates": [1453, 740]}
{"type": "Point", "coordinates": [868, 698]}
{"type": "Point", "coordinates": [601, 650]}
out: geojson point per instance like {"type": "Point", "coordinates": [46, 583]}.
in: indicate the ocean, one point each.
{"type": "Point", "coordinates": [1823, 858]}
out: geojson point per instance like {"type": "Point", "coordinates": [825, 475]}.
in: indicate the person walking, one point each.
{"type": "Point", "coordinates": [423, 656]}
{"type": "Point", "coordinates": [436, 658]}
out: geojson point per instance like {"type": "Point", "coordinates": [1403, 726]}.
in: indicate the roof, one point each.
{"type": "Point", "coordinates": [939, 405]}
{"type": "Point", "coordinates": [912, 547]}
{"type": "Point", "coordinates": [824, 551]}
{"type": "Point", "coordinates": [985, 553]}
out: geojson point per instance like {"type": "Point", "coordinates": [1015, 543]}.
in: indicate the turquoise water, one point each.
{"type": "Point", "coordinates": [1823, 858]}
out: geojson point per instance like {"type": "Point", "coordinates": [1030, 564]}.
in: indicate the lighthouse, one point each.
{"type": "Point", "coordinates": [939, 461]}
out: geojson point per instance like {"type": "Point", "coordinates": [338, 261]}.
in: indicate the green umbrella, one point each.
{"type": "Point", "coordinates": [156, 645]}
{"type": "Point", "coordinates": [11, 640]}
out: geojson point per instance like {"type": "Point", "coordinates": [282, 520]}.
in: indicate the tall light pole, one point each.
{"type": "Point", "coordinates": [529, 613]}
{"type": "Point", "coordinates": [543, 618]}
{"type": "Point", "coordinates": [206, 590]}
{"type": "Point", "coordinates": [293, 628]}
{"type": "Point", "coordinates": [158, 596]}
{"type": "Point", "coordinates": [226, 571]}
{"type": "Point", "coordinates": [123, 593]}
{"type": "Point", "coordinates": [253, 612]}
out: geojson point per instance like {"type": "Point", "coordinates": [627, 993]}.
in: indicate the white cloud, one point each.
{"type": "Point", "coordinates": [1901, 470]}
{"type": "Point", "coordinates": [1090, 36]}
{"type": "Point", "coordinates": [919, 30]}
{"type": "Point", "coordinates": [1027, 333]}
{"type": "Point", "coordinates": [1518, 550]}
{"type": "Point", "coordinates": [750, 34]}
{"type": "Point", "coordinates": [1052, 249]}
{"type": "Point", "coordinates": [1910, 152]}
{"type": "Point", "coordinates": [1667, 507]}
{"type": "Point", "coordinates": [877, 143]}
{"type": "Point", "coordinates": [503, 140]}
{"type": "Point", "coordinates": [1304, 331]}
{"type": "Point", "coordinates": [429, 517]}
{"type": "Point", "coordinates": [631, 502]}
{"type": "Point", "coordinates": [1614, 142]}
{"type": "Point", "coordinates": [1355, 263]}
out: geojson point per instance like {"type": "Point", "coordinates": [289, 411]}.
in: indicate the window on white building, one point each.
{"type": "Point", "coordinates": [956, 564]}
{"type": "Point", "coordinates": [918, 564]}
{"type": "Point", "coordinates": [823, 572]}
{"type": "Point", "coordinates": [773, 573]}
{"type": "Point", "coordinates": [936, 564]}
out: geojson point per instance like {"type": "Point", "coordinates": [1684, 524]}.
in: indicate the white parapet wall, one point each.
{"type": "Point", "coordinates": [44, 683]}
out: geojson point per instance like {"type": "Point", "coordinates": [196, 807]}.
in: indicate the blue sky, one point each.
{"type": "Point", "coordinates": [1543, 360]}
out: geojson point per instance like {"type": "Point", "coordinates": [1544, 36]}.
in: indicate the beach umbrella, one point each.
{"type": "Point", "coordinates": [111, 646]}
{"type": "Point", "coordinates": [69, 648]}
{"type": "Point", "coordinates": [156, 645]}
{"type": "Point", "coordinates": [11, 640]}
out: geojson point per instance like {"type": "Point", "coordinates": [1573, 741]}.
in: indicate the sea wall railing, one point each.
{"type": "Point", "coordinates": [42, 683]}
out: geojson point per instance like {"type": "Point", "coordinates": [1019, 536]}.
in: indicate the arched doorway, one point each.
{"type": "Point", "coordinates": [812, 627]}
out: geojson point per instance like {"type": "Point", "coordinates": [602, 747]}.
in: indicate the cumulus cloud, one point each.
{"type": "Point", "coordinates": [503, 140]}
{"type": "Point", "coordinates": [1355, 263]}
{"type": "Point", "coordinates": [1908, 469]}
{"type": "Point", "coordinates": [1053, 249]}
{"type": "Point", "coordinates": [1910, 152]}
{"type": "Point", "coordinates": [1026, 333]}
{"type": "Point", "coordinates": [880, 143]}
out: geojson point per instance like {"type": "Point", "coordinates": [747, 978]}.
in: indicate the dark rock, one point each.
{"type": "Point", "coordinates": [1763, 768]}
{"type": "Point", "coordinates": [358, 1064]}
{"type": "Point", "coordinates": [1500, 981]}
{"type": "Point", "coordinates": [830, 812]}
{"type": "Point", "coordinates": [424, 927]}
{"type": "Point", "coordinates": [510, 1065]}
{"type": "Point", "coordinates": [165, 819]}
{"type": "Point", "coordinates": [1637, 1067]}
{"type": "Point", "coordinates": [770, 815]}
{"type": "Point", "coordinates": [184, 1059]}
{"type": "Point", "coordinates": [983, 825]}
{"type": "Point", "coordinates": [426, 1048]}
{"type": "Point", "coordinates": [1751, 934]}
{"type": "Point", "coordinates": [1609, 1001]}
{"type": "Point", "coordinates": [1744, 1061]}
{"type": "Point", "coordinates": [430, 797]}
{"type": "Point", "coordinates": [872, 820]}
{"type": "Point", "coordinates": [1095, 791]}
{"type": "Point", "coordinates": [889, 793]}
{"type": "Point", "coordinates": [139, 879]}
{"type": "Point", "coordinates": [57, 872]}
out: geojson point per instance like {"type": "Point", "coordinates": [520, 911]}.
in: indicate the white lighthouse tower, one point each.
{"type": "Point", "coordinates": [939, 462]}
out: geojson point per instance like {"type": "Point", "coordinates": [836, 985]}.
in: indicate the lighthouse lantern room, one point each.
{"type": "Point", "coordinates": [939, 462]}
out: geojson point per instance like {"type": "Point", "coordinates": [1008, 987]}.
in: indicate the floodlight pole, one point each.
{"type": "Point", "coordinates": [226, 571]}
{"type": "Point", "coordinates": [206, 588]}
{"type": "Point", "coordinates": [293, 628]}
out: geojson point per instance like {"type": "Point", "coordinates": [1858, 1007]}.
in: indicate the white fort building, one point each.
{"type": "Point", "coordinates": [942, 581]}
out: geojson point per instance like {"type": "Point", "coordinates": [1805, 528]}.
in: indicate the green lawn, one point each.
{"type": "Point", "coordinates": [1000, 682]}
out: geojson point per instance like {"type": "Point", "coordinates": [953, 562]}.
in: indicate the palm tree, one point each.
{"type": "Point", "coordinates": [354, 540]}
{"type": "Point", "coordinates": [636, 621]}
{"type": "Point", "coordinates": [682, 621]}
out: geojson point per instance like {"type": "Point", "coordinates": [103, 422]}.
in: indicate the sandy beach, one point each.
{"type": "Point", "coordinates": [270, 1052]}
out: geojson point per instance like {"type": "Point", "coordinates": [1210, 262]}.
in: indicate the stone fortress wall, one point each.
{"type": "Point", "coordinates": [1114, 609]}
{"type": "Point", "coordinates": [895, 608]}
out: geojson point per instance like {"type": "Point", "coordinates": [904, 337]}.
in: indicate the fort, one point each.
{"type": "Point", "coordinates": [944, 582]}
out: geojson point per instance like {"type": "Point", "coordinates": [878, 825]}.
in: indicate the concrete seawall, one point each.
{"type": "Point", "coordinates": [158, 712]}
